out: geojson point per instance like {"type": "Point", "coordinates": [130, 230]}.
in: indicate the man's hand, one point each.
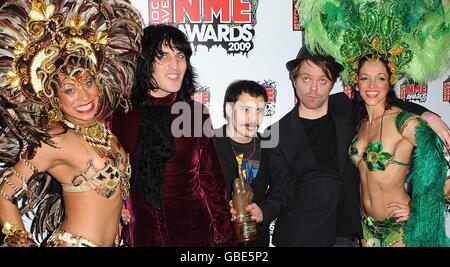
{"type": "Point", "coordinates": [125, 215]}
{"type": "Point", "coordinates": [254, 210]}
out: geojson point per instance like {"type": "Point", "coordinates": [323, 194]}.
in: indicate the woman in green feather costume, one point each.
{"type": "Point", "coordinates": [383, 152]}
{"type": "Point", "coordinates": [378, 43]}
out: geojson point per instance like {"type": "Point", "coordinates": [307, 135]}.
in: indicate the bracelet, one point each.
{"type": "Point", "coordinates": [431, 118]}
{"type": "Point", "coordinates": [16, 237]}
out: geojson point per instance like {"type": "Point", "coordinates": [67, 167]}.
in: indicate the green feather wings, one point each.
{"type": "Point", "coordinates": [426, 223]}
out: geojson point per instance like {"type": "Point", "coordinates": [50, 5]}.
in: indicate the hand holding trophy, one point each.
{"type": "Point", "coordinates": [244, 227]}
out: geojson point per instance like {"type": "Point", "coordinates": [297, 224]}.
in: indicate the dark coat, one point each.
{"type": "Point", "coordinates": [194, 211]}
{"type": "Point", "coordinates": [304, 197]}
{"type": "Point", "coordinates": [259, 185]}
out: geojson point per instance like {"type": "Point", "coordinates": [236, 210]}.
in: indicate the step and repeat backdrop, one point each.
{"type": "Point", "coordinates": [251, 39]}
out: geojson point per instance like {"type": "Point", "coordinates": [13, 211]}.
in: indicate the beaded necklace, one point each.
{"type": "Point", "coordinates": [253, 150]}
{"type": "Point", "coordinates": [96, 135]}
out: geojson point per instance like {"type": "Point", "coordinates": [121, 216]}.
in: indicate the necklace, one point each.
{"type": "Point", "coordinates": [251, 155]}
{"type": "Point", "coordinates": [96, 135]}
{"type": "Point", "coordinates": [382, 115]}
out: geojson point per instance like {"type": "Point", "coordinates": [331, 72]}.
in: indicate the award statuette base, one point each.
{"type": "Point", "coordinates": [244, 229]}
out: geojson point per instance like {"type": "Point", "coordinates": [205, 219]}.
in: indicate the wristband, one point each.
{"type": "Point", "coordinates": [431, 118]}
{"type": "Point", "coordinates": [16, 237]}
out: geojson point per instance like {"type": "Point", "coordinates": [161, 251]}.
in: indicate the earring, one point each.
{"type": "Point", "coordinates": [394, 79]}
{"type": "Point", "coordinates": [125, 102]}
{"type": "Point", "coordinates": [354, 78]}
{"type": "Point", "coordinates": [55, 114]}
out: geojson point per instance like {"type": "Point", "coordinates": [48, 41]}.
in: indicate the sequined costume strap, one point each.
{"type": "Point", "coordinates": [6, 180]}
{"type": "Point", "coordinates": [403, 118]}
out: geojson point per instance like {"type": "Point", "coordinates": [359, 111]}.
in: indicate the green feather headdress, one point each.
{"type": "Point", "coordinates": [412, 36]}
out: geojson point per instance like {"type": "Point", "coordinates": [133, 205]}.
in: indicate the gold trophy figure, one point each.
{"type": "Point", "coordinates": [244, 227]}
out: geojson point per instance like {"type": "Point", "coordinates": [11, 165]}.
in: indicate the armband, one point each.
{"type": "Point", "coordinates": [16, 237]}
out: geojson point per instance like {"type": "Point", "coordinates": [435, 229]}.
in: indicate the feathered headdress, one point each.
{"type": "Point", "coordinates": [412, 36]}
{"type": "Point", "coordinates": [38, 37]}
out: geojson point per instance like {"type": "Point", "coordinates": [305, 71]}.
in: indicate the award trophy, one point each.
{"type": "Point", "coordinates": [244, 227]}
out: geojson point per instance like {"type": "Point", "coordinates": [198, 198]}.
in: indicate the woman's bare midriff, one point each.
{"type": "Point", "coordinates": [92, 216]}
{"type": "Point", "coordinates": [380, 188]}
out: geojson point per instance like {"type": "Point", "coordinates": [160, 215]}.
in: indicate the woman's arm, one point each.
{"type": "Point", "coordinates": [427, 174]}
{"type": "Point", "coordinates": [435, 121]}
{"type": "Point", "coordinates": [14, 188]}
{"type": "Point", "coordinates": [438, 126]}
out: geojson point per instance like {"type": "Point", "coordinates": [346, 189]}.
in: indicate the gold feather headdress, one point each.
{"type": "Point", "coordinates": [36, 39]}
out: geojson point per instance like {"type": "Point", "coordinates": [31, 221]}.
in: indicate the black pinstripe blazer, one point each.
{"type": "Point", "coordinates": [304, 197]}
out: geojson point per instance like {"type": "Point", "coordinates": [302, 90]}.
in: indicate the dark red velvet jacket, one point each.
{"type": "Point", "coordinates": [193, 209]}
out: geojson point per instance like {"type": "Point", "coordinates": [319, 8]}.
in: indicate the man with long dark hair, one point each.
{"type": "Point", "coordinates": [178, 195]}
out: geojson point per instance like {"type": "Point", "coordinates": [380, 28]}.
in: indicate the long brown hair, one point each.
{"type": "Point", "coordinates": [359, 106]}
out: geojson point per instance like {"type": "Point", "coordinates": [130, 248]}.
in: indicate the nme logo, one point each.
{"type": "Point", "coordinates": [414, 92]}
{"type": "Point", "coordinates": [196, 11]}
{"type": "Point", "coordinates": [160, 11]}
{"type": "Point", "coordinates": [296, 26]}
{"type": "Point", "coordinates": [202, 95]}
{"type": "Point", "coordinates": [271, 90]}
{"type": "Point", "coordinates": [446, 90]}
{"type": "Point", "coordinates": [226, 23]}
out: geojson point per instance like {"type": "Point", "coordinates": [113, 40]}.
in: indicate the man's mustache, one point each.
{"type": "Point", "coordinates": [254, 125]}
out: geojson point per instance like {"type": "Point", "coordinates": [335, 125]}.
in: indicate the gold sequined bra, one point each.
{"type": "Point", "coordinates": [104, 181]}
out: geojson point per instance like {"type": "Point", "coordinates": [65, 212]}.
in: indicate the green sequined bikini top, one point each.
{"type": "Point", "coordinates": [373, 155]}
